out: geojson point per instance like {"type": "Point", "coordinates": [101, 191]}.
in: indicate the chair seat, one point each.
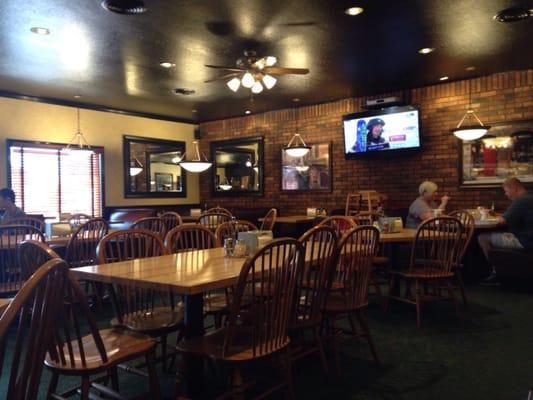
{"type": "Point", "coordinates": [212, 344]}
{"type": "Point", "coordinates": [336, 304]}
{"type": "Point", "coordinates": [152, 322]}
{"type": "Point", "coordinates": [380, 260]}
{"type": "Point", "coordinates": [217, 303]}
{"type": "Point", "coordinates": [424, 273]}
{"type": "Point", "coordinates": [120, 346]}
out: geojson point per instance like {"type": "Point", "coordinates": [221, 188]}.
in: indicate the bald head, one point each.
{"type": "Point", "coordinates": [513, 188]}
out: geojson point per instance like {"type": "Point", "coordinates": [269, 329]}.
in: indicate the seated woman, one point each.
{"type": "Point", "coordinates": [421, 208]}
{"type": "Point", "coordinates": [7, 202]}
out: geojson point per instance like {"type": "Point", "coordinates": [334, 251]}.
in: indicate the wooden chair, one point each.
{"type": "Point", "coordinates": [153, 224]}
{"type": "Point", "coordinates": [366, 217]}
{"type": "Point", "coordinates": [364, 201]}
{"type": "Point", "coordinates": [340, 223]}
{"type": "Point", "coordinates": [220, 210]}
{"type": "Point", "coordinates": [231, 229]}
{"type": "Point", "coordinates": [137, 309]}
{"type": "Point", "coordinates": [353, 204]}
{"type": "Point", "coordinates": [78, 219]}
{"type": "Point", "coordinates": [81, 247]}
{"type": "Point", "coordinates": [213, 220]}
{"type": "Point", "coordinates": [31, 255]}
{"type": "Point", "coordinates": [270, 220]}
{"type": "Point", "coordinates": [31, 221]}
{"type": "Point", "coordinates": [34, 332]}
{"type": "Point", "coordinates": [469, 225]}
{"type": "Point", "coordinates": [257, 332]}
{"type": "Point", "coordinates": [189, 237]}
{"type": "Point", "coordinates": [171, 220]}
{"type": "Point", "coordinates": [433, 256]}
{"type": "Point", "coordinates": [349, 294]}
{"type": "Point", "coordinates": [11, 277]}
{"type": "Point", "coordinates": [319, 244]}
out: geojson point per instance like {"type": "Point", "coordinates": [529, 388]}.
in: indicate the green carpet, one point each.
{"type": "Point", "coordinates": [487, 355]}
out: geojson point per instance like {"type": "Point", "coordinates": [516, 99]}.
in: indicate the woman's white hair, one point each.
{"type": "Point", "coordinates": [427, 187]}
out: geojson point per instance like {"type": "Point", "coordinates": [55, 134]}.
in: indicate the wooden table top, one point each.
{"type": "Point", "coordinates": [3, 304]}
{"type": "Point", "coordinates": [291, 219]}
{"type": "Point", "coordinates": [186, 273]}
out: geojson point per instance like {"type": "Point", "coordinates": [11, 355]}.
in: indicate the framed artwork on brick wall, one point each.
{"type": "Point", "coordinates": [311, 172]}
{"type": "Point", "coordinates": [506, 150]}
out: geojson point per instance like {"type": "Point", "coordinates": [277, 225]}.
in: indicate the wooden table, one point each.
{"type": "Point", "coordinates": [291, 219]}
{"type": "Point", "coordinates": [3, 304]}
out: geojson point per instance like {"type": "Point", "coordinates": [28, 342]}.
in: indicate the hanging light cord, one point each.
{"type": "Point", "coordinates": [470, 111]}
{"type": "Point", "coordinates": [78, 137]}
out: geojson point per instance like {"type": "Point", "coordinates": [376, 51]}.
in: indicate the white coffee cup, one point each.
{"type": "Point", "coordinates": [437, 212]}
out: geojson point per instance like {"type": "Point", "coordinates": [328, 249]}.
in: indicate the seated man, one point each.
{"type": "Point", "coordinates": [7, 202]}
{"type": "Point", "coordinates": [518, 218]}
{"type": "Point", "coordinates": [421, 208]}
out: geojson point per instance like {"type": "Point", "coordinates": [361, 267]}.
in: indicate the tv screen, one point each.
{"type": "Point", "coordinates": [395, 128]}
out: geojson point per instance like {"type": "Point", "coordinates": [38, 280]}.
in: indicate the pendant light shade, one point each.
{"type": "Point", "coordinates": [135, 167]}
{"type": "Point", "coordinates": [297, 147]}
{"type": "Point", "coordinates": [225, 185]}
{"type": "Point", "coordinates": [470, 131]}
{"type": "Point", "coordinates": [197, 164]}
{"type": "Point", "coordinates": [78, 140]}
{"type": "Point", "coordinates": [269, 81]}
{"type": "Point", "coordinates": [248, 80]}
{"type": "Point", "coordinates": [234, 84]}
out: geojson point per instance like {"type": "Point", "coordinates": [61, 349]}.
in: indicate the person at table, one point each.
{"type": "Point", "coordinates": [7, 203]}
{"type": "Point", "coordinates": [519, 220]}
{"type": "Point", "coordinates": [422, 208]}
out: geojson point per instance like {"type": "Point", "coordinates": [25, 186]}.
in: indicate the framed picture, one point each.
{"type": "Point", "coordinates": [163, 182]}
{"type": "Point", "coordinates": [506, 150]}
{"type": "Point", "coordinates": [311, 172]}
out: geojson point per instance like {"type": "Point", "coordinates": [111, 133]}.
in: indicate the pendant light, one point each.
{"type": "Point", "coordinates": [297, 147]}
{"type": "Point", "coordinates": [474, 131]}
{"type": "Point", "coordinates": [197, 164]}
{"type": "Point", "coordinates": [225, 185]}
{"type": "Point", "coordinates": [78, 140]}
{"type": "Point", "coordinates": [135, 167]}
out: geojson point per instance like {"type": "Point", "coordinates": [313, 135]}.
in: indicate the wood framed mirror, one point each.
{"type": "Point", "coordinates": [151, 167]}
{"type": "Point", "coordinates": [237, 167]}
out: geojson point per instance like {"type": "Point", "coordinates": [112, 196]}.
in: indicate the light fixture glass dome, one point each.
{"type": "Point", "coordinates": [134, 171]}
{"type": "Point", "coordinates": [470, 132]}
{"type": "Point", "coordinates": [257, 87]}
{"type": "Point", "coordinates": [234, 84]}
{"type": "Point", "coordinates": [197, 164]}
{"type": "Point", "coordinates": [269, 81]}
{"type": "Point", "coordinates": [248, 80]}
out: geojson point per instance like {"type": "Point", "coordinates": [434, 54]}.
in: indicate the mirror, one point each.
{"type": "Point", "coordinates": [151, 167]}
{"type": "Point", "coordinates": [237, 166]}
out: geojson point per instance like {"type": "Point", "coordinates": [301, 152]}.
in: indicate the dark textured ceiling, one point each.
{"type": "Point", "coordinates": [113, 60]}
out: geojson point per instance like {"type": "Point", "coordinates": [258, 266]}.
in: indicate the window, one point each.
{"type": "Point", "coordinates": [48, 179]}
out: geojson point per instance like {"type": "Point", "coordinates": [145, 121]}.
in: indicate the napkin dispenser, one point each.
{"type": "Point", "coordinates": [57, 229]}
{"type": "Point", "coordinates": [255, 239]}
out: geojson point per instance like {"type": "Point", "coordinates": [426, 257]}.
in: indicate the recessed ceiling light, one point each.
{"type": "Point", "coordinates": [124, 7]}
{"type": "Point", "coordinates": [513, 14]}
{"type": "Point", "coordinates": [194, 111]}
{"type": "Point", "coordinates": [426, 50]}
{"type": "Point", "coordinates": [40, 30]}
{"type": "Point", "coordinates": [352, 11]}
{"type": "Point", "coordinates": [444, 78]}
{"type": "Point", "coordinates": [296, 100]}
{"type": "Point", "coordinates": [77, 96]}
{"type": "Point", "coordinates": [184, 91]}
{"type": "Point", "coordinates": [247, 112]}
{"type": "Point", "coordinates": [471, 68]}
{"type": "Point", "coordinates": [166, 64]}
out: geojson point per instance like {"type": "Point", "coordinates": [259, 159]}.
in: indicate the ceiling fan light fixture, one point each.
{"type": "Point", "coordinates": [269, 81]}
{"type": "Point", "coordinates": [257, 87]}
{"type": "Point", "coordinates": [234, 84]}
{"type": "Point", "coordinates": [270, 61]}
{"type": "Point", "coordinates": [248, 80]}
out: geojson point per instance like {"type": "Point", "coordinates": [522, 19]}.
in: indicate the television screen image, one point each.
{"type": "Point", "coordinates": [390, 129]}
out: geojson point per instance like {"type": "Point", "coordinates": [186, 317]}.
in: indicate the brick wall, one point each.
{"type": "Point", "coordinates": [495, 98]}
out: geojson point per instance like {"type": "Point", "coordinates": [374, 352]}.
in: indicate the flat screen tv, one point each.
{"type": "Point", "coordinates": [389, 130]}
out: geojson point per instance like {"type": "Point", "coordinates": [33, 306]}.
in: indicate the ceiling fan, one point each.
{"type": "Point", "coordinates": [253, 72]}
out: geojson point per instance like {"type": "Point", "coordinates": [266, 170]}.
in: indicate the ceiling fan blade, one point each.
{"type": "Point", "coordinates": [222, 77]}
{"type": "Point", "coordinates": [284, 70]}
{"type": "Point", "coordinates": [226, 68]}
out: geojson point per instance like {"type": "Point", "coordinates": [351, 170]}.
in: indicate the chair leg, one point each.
{"type": "Point", "coordinates": [286, 360]}
{"type": "Point", "coordinates": [320, 345]}
{"type": "Point", "coordinates": [237, 384]}
{"type": "Point", "coordinates": [53, 385]}
{"type": "Point", "coordinates": [364, 325]}
{"type": "Point", "coordinates": [164, 351]}
{"type": "Point", "coordinates": [452, 296]}
{"type": "Point", "coordinates": [385, 306]}
{"type": "Point", "coordinates": [155, 390]}
{"type": "Point", "coordinates": [84, 391]}
{"type": "Point", "coordinates": [113, 374]}
{"type": "Point", "coordinates": [336, 349]}
{"type": "Point", "coordinates": [461, 284]}
{"type": "Point", "coordinates": [418, 298]}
